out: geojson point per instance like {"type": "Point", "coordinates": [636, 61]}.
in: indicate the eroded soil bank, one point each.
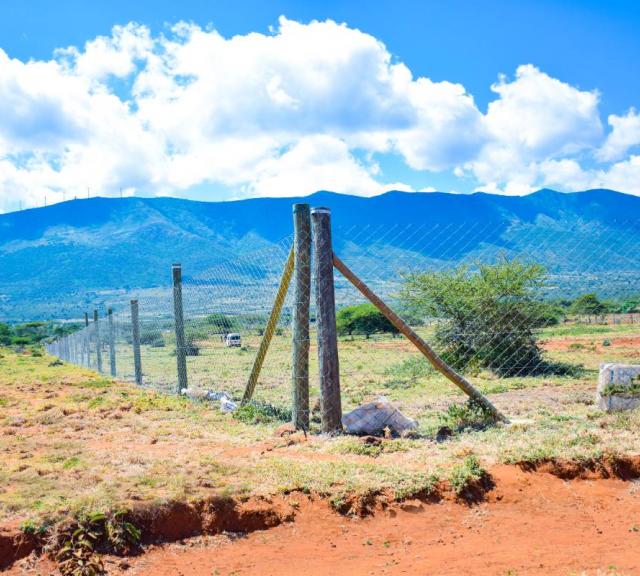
{"type": "Point", "coordinates": [531, 522]}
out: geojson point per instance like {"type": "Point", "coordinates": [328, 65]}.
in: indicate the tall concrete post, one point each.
{"type": "Point", "coordinates": [300, 329]}
{"type": "Point", "coordinates": [112, 344]}
{"type": "Point", "coordinates": [96, 334]}
{"type": "Point", "coordinates": [135, 334]}
{"type": "Point", "coordinates": [328, 364]}
{"type": "Point", "coordinates": [181, 348]}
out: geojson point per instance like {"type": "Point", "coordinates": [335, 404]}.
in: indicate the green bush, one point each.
{"type": "Point", "coordinates": [364, 319]}
{"type": "Point", "coordinates": [153, 339]}
{"type": "Point", "coordinates": [33, 333]}
{"type": "Point", "coordinates": [191, 347]}
{"type": "Point", "coordinates": [488, 317]}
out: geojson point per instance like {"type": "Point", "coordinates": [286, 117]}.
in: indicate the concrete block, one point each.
{"type": "Point", "coordinates": [618, 387]}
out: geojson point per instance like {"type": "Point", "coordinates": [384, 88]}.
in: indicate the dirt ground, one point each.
{"type": "Point", "coordinates": [529, 523]}
{"type": "Point", "coordinates": [229, 496]}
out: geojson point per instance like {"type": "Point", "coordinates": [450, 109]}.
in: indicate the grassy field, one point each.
{"type": "Point", "coordinates": [380, 366]}
{"type": "Point", "coordinates": [72, 440]}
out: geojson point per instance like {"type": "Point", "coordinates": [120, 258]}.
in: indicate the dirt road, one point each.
{"type": "Point", "coordinates": [531, 523]}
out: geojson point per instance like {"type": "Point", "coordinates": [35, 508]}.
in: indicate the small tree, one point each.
{"type": "Point", "coordinates": [588, 304]}
{"type": "Point", "coordinates": [630, 305]}
{"type": "Point", "coordinates": [5, 334]}
{"type": "Point", "coordinates": [363, 319]}
{"type": "Point", "coordinates": [487, 317]}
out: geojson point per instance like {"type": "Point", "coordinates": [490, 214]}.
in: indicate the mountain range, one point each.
{"type": "Point", "coordinates": [58, 260]}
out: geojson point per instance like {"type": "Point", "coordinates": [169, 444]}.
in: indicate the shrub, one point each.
{"type": "Point", "coordinates": [488, 317]}
{"type": "Point", "coordinates": [20, 341]}
{"type": "Point", "coordinates": [153, 339]}
{"type": "Point", "coordinates": [364, 319]}
{"type": "Point", "coordinates": [191, 347]}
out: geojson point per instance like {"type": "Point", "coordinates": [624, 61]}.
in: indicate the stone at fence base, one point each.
{"type": "Point", "coordinates": [618, 387]}
{"type": "Point", "coordinates": [375, 417]}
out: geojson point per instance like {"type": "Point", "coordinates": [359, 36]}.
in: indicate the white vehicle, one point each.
{"type": "Point", "coordinates": [231, 340]}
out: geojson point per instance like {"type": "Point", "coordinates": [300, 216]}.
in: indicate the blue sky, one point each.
{"type": "Point", "coordinates": [568, 67]}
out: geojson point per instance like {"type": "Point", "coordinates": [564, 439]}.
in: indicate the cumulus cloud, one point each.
{"type": "Point", "coordinates": [536, 122]}
{"type": "Point", "coordinates": [624, 176]}
{"type": "Point", "coordinates": [305, 107]}
{"type": "Point", "coordinates": [625, 134]}
{"type": "Point", "coordinates": [317, 163]}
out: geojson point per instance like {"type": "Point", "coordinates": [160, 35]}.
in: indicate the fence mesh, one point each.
{"type": "Point", "coordinates": [506, 306]}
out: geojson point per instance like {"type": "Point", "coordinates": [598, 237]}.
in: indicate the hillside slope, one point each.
{"type": "Point", "coordinates": [55, 258]}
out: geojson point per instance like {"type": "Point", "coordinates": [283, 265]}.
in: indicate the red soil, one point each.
{"type": "Point", "coordinates": [530, 523]}
{"type": "Point", "coordinates": [563, 344]}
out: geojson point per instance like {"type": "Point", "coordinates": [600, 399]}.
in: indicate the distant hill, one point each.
{"type": "Point", "coordinates": [82, 252]}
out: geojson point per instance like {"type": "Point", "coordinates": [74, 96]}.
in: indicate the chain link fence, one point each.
{"type": "Point", "coordinates": [507, 307]}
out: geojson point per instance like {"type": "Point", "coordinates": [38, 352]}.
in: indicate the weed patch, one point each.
{"type": "Point", "coordinates": [261, 413]}
{"type": "Point", "coordinates": [466, 474]}
{"type": "Point", "coordinates": [79, 545]}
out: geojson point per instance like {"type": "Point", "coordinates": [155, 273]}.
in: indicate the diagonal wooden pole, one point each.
{"type": "Point", "coordinates": [270, 328]}
{"type": "Point", "coordinates": [438, 363]}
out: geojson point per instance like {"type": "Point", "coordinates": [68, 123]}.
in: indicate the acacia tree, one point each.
{"type": "Point", "coordinates": [487, 318]}
{"type": "Point", "coordinates": [588, 304]}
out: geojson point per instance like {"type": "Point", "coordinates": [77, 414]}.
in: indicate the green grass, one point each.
{"type": "Point", "coordinates": [73, 441]}
{"type": "Point", "coordinates": [462, 476]}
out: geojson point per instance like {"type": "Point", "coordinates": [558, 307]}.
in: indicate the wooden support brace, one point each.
{"type": "Point", "coordinates": [438, 363]}
{"type": "Point", "coordinates": [270, 328]}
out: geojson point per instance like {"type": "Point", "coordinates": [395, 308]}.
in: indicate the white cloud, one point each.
{"type": "Point", "coordinates": [625, 134]}
{"type": "Point", "coordinates": [115, 55]}
{"type": "Point", "coordinates": [535, 122]}
{"type": "Point", "coordinates": [285, 113]}
{"type": "Point", "coordinates": [540, 117]}
{"type": "Point", "coordinates": [623, 176]}
{"type": "Point", "coordinates": [317, 163]}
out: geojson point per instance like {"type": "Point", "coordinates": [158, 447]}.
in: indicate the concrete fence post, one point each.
{"type": "Point", "coordinates": [328, 364]}
{"type": "Point", "coordinates": [135, 334]}
{"type": "Point", "coordinates": [300, 330]}
{"type": "Point", "coordinates": [74, 349]}
{"type": "Point", "coordinates": [112, 344]}
{"type": "Point", "coordinates": [96, 333]}
{"type": "Point", "coordinates": [178, 314]}
{"type": "Point", "coordinates": [87, 339]}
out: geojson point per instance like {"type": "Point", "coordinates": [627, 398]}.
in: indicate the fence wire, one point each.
{"type": "Point", "coordinates": [497, 303]}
